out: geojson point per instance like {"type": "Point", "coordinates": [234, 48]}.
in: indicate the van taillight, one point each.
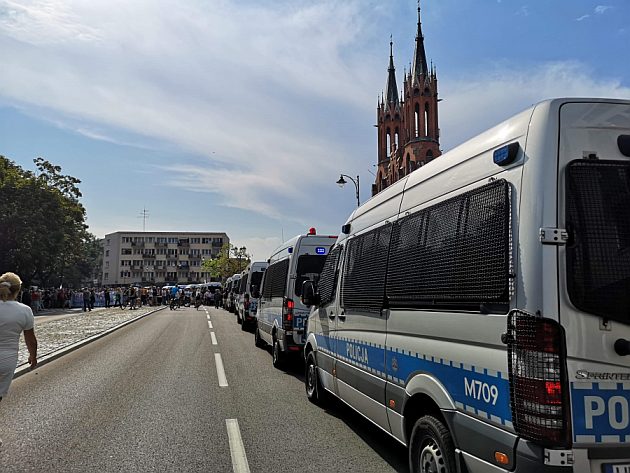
{"type": "Point", "coordinates": [538, 380]}
{"type": "Point", "coordinates": [287, 314]}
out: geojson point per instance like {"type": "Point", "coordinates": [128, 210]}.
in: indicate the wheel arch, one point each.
{"type": "Point", "coordinates": [426, 395]}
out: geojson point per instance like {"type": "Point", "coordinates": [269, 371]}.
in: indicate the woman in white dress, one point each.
{"type": "Point", "coordinates": [15, 318]}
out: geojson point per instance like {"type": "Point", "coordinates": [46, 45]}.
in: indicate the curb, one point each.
{"type": "Point", "coordinates": [25, 368]}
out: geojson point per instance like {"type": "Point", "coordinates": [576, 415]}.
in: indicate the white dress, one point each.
{"type": "Point", "coordinates": [14, 318]}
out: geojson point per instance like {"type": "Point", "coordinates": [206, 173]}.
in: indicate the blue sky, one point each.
{"type": "Point", "coordinates": [239, 116]}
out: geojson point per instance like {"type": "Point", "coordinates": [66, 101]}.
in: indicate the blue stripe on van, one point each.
{"type": "Point", "coordinates": [473, 389]}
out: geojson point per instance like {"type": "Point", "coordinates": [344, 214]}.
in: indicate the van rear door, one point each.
{"type": "Point", "coordinates": [594, 271]}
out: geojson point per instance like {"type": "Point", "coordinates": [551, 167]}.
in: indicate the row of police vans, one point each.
{"type": "Point", "coordinates": [477, 310]}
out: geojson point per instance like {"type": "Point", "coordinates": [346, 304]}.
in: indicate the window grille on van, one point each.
{"type": "Point", "coordinates": [456, 253]}
{"type": "Point", "coordinates": [275, 282]}
{"type": "Point", "coordinates": [243, 285]}
{"type": "Point", "coordinates": [328, 278]}
{"type": "Point", "coordinates": [363, 286]}
{"type": "Point", "coordinates": [598, 223]}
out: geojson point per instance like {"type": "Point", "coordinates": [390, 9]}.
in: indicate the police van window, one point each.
{"type": "Point", "coordinates": [241, 289]}
{"type": "Point", "coordinates": [256, 278]}
{"type": "Point", "coordinates": [276, 279]}
{"type": "Point", "coordinates": [455, 254]}
{"type": "Point", "coordinates": [363, 282]}
{"type": "Point", "coordinates": [328, 279]}
{"type": "Point", "coordinates": [598, 223]}
{"type": "Point", "coordinates": [309, 268]}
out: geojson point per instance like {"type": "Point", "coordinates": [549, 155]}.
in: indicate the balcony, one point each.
{"type": "Point", "coordinates": [195, 257]}
{"type": "Point", "coordinates": [161, 245]}
{"type": "Point", "coordinates": [136, 268]}
{"type": "Point", "coordinates": [183, 243]}
{"type": "Point", "coordinates": [137, 244]}
{"type": "Point", "coordinates": [148, 256]}
{"type": "Point", "coordinates": [171, 256]}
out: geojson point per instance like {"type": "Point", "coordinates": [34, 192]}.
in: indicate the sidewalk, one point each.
{"type": "Point", "coordinates": [74, 325]}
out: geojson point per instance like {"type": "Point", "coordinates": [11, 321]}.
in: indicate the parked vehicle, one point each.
{"type": "Point", "coordinates": [250, 293]}
{"type": "Point", "coordinates": [226, 293]}
{"type": "Point", "coordinates": [281, 316]}
{"type": "Point", "coordinates": [233, 292]}
{"type": "Point", "coordinates": [478, 310]}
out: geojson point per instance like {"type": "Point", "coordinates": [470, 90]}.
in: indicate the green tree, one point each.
{"type": "Point", "coordinates": [230, 260]}
{"type": "Point", "coordinates": [42, 223]}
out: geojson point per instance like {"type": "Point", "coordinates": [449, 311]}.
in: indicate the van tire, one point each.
{"type": "Point", "coordinates": [259, 342]}
{"type": "Point", "coordinates": [243, 326]}
{"type": "Point", "coordinates": [315, 392]}
{"type": "Point", "coordinates": [277, 357]}
{"type": "Point", "coordinates": [431, 448]}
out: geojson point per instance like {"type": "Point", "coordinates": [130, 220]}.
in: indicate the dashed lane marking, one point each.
{"type": "Point", "coordinates": [209, 324]}
{"type": "Point", "coordinates": [237, 449]}
{"type": "Point", "coordinates": [220, 371]}
{"type": "Point", "coordinates": [214, 338]}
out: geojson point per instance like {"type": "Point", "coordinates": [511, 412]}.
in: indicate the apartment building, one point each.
{"type": "Point", "coordinates": [158, 257]}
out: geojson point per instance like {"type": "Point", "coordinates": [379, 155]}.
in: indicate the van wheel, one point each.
{"type": "Point", "coordinates": [431, 449]}
{"type": "Point", "coordinates": [277, 355]}
{"type": "Point", "coordinates": [259, 342]}
{"type": "Point", "coordinates": [243, 326]}
{"type": "Point", "coordinates": [314, 389]}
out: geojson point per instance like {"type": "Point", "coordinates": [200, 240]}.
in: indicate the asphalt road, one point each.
{"type": "Point", "coordinates": [149, 397]}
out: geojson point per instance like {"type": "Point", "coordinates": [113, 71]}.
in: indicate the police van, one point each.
{"type": "Point", "coordinates": [250, 293]}
{"type": "Point", "coordinates": [226, 292]}
{"type": "Point", "coordinates": [478, 310]}
{"type": "Point", "coordinates": [281, 316]}
{"type": "Point", "coordinates": [233, 292]}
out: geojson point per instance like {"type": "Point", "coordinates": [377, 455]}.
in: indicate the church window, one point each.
{"type": "Point", "coordinates": [426, 119]}
{"type": "Point", "coordinates": [416, 121]}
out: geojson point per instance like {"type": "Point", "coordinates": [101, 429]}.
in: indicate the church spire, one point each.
{"type": "Point", "coordinates": [392, 88]}
{"type": "Point", "coordinates": [419, 67]}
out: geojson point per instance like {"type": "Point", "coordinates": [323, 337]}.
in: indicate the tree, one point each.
{"type": "Point", "coordinates": [42, 223]}
{"type": "Point", "coordinates": [231, 260]}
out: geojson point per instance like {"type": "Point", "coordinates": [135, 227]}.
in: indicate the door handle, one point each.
{"type": "Point", "coordinates": [331, 316]}
{"type": "Point", "coordinates": [342, 316]}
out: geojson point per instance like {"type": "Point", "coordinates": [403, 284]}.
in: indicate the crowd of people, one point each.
{"type": "Point", "coordinates": [88, 298]}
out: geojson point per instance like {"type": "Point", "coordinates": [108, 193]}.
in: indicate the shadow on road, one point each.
{"type": "Point", "coordinates": [385, 446]}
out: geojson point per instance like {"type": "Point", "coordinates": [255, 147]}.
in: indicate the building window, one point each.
{"type": "Point", "coordinates": [108, 242]}
{"type": "Point", "coordinates": [416, 121]}
{"type": "Point", "coordinates": [106, 277]}
{"type": "Point", "coordinates": [106, 252]}
{"type": "Point", "coordinates": [426, 119]}
{"type": "Point", "coordinates": [125, 251]}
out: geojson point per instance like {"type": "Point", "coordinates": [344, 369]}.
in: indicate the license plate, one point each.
{"type": "Point", "coordinates": [616, 468]}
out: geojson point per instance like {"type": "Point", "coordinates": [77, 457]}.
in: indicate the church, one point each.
{"type": "Point", "coordinates": [408, 132]}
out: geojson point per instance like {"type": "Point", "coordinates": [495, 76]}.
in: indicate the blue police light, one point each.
{"type": "Point", "coordinates": [290, 249]}
{"type": "Point", "coordinates": [506, 154]}
{"type": "Point", "coordinates": [320, 250]}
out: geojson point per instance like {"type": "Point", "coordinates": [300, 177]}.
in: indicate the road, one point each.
{"type": "Point", "coordinates": [149, 397]}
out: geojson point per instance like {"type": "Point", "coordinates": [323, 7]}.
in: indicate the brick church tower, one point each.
{"type": "Point", "coordinates": [408, 132]}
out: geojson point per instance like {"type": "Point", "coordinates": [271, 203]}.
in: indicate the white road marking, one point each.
{"type": "Point", "coordinates": [237, 449]}
{"type": "Point", "coordinates": [214, 338]}
{"type": "Point", "coordinates": [220, 371]}
{"type": "Point", "coordinates": [208, 316]}
{"type": "Point", "coordinates": [209, 324]}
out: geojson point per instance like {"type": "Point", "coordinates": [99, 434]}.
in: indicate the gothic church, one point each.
{"type": "Point", "coordinates": [408, 132]}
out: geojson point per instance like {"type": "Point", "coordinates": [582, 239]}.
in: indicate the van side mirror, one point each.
{"type": "Point", "coordinates": [309, 294]}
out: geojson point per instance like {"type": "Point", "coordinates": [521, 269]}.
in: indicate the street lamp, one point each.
{"type": "Point", "coordinates": [342, 182]}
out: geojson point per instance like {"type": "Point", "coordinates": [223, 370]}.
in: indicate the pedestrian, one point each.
{"type": "Point", "coordinates": [218, 297]}
{"type": "Point", "coordinates": [92, 298]}
{"type": "Point", "coordinates": [86, 299]}
{"type": "Point", "coordinates": [107, 298]}
{"type": "Point", "coordinates": [118, 298]}
{"type": "Point", "coordinates": [15, 318]}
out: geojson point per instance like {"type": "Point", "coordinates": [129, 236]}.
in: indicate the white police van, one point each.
{"type": "Point", "coordinates": [233, 293]}
{"type": "Point", "coordinates": [478, 310]}
{"type": "Point", "coordinates": [281, 316]}
{"type": "Point", "coordinates": [250, 287]}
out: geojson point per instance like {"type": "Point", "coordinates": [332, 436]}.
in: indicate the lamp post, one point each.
{"type": "Point", "coordinates": [342, 182]}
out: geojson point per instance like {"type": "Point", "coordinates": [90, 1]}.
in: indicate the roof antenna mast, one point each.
{"type": "Point", "coordinates": [144, 215]}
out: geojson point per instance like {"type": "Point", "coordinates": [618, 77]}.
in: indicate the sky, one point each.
{"type": "Point", "coordinates": [239, 116]}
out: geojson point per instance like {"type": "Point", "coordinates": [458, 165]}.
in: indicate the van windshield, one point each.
{"type": "Point", "coordinates": [308, 269]}
{"type": "Point", "coordinates": [598, 251]}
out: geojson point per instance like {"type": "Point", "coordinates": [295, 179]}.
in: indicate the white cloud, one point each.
{"type": "Point", "coordinates": [474, 104]}
{"type": "Point", "coordinates": [600, 9]}
{"type": "Point", "coordinates": [583, 17]}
